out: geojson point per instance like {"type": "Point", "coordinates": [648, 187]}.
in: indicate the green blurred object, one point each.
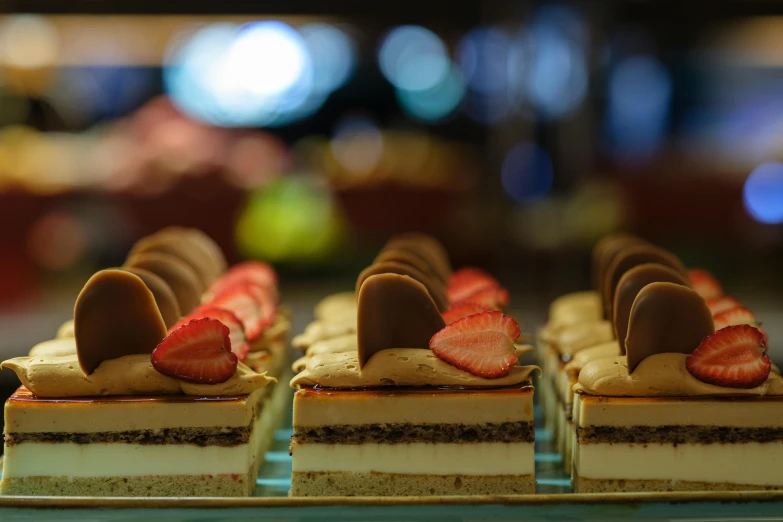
{"type": "Point", "coordinates": [292, 219]}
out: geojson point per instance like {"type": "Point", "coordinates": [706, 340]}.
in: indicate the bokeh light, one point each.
{"type": "Point", "coordinates": [483, 56]}
{"type": "Point", "coordinates": [57, 241]}
{"type": "Point", "coordinates": [333, 54]}
{"type": "Point", "coordinates": [527, 173]}
{"type": "Point", "coordinates": [254, 74]}
{"type": "Point", "coordinates": [556, 75]}
{"type": "Point", "coordinates": [763, 193]}
{"type": "Point", "coordinates": [436, 103]}
{"type": "Point", "coordinates": [413, 58]}
{"type": "Point", "coordinates": [640, 93]}
{"type": "Point", "coordinates": [357, 145]}
{"type": "Point", "coordinates": [28, 42]}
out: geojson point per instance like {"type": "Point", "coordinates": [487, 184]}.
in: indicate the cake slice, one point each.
{"type": "Point", "coordinates": [411, 405]}
{"type": "Point", "coordinates": [685, 409]}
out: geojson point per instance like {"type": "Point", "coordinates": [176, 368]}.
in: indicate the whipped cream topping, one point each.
{"type": "Point", "coordinates": [599, 351]}
{"type": "Point", "coordinates": [659, 375]}
{"type": "Point", "coordinates": [336, 306]}
{"type": "Point", "coordinates": [65, 330]}
{"type": "Point", "coordinates": [321, 329]}
{"type": "Point", "coordinates": [398, 367]}
{"type": "Point", "coordinates": [54, 348]}
{"type": "Point", "coordinates": [48, 376]}
{"type": "Point", "coordinates": [576, 337]}
{"type": "Point", "coordinates": [575, 307]}
{"type": "Point", "coordinates": [341, 343]}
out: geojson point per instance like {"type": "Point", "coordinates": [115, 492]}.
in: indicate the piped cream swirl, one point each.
{"type": "Point", "coordinates": [48, 376]}
{"type": "Point", "coordinates": [659, 375]}
{"type": "Point", "coordinates": [398, 367]}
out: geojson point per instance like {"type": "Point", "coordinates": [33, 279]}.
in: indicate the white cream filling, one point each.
{"type": "Point", "coordinates": [417, 458]}
{"type": "Point", "coordinates": [749, 463]}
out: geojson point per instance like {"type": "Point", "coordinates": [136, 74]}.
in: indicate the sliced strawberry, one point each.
{"type": "Point", "coordinates": [463, 309]}
{"type": "Point", "coordinates": [733, 357]}
{"type": "Point", "coordinates": [735, 316]}
{"type": "Point", "coordinates": [198, 351]}
{"type": "Point", "coordinates": [492, 297]}
{"type": "Point", "coordinates": [721, 304]}
{"type": "Point", "coordinates": [705, 283]}
{"type": "Point", "coordinates": [239, 344]}
{"type": "Point", "coordinates": [467, 281]}
{"type": "Point", "coordinates": [481, 344]}
{"type": "Point", "coordinates": [267, 304]}
{"type": "Point", "coordinates": [250, 271]}
{"type": "Point", "coordinates": [242, 303]}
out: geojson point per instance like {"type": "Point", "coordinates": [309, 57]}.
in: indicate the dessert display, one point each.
{"type": "Point", "coordinates": [417, 395]}
{"type": "Point", "coordinates": [161, 385]}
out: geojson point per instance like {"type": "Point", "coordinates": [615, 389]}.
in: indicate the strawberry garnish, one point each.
{"type": "Point", "coordinates": [481, 344]}
{"type": "Point", "coordinates": [463, 309]}
{"type": "Point", "coordinates": [733, 357]}
{"type": "Point", "coordinates": [198, 351]}
{"type": "Point", "coordinates": [236, 330]}
{"type": "Point", "coordinates": [735, 316]}
{"type": "Point", "coordinates": [721, 304]}
{"type": "Point", "coordinates": [704, 283]}
{"type": "Point", "coordinates": [467, 281]}
{"type": "Point", "coordinates": [242, 303]}
{"type": "Point", "coordinates": [250, 271]}
{"type": "Point", "coordinates": [493, 297]}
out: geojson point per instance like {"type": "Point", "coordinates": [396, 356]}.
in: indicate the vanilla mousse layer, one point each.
{"type": "Point", "coordinates": [25, 413]}
{"type": "Point", "coordinates": [487, 458]}
{"type": "Point", "coordinates": [749, 463]}
{"type": "Point", "coordinates": [321, 407]}
{"type": "Point", "coordinates": [621, 412]}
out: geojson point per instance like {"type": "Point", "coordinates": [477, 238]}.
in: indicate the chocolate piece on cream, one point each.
{"type": "Point", "coordinates": [206, 244]}
{"type": "Point", "coordinates": [630, 257]}
{"type": "Point", "coordinates": [395, 311]}
{"type": "Point", "coordinates": [115, 315]}
{"type": "Point", "coordinates": [630, 285]}
{"type": "Point", "coordinates": [434, 287]}
{"type": "Point", "coordinates": [666, 318]}
{"type": "Point", "coordinates": [433, 244]}
{"type": "Point", "coordinates": [178, 275]}
{"type": "Point", "coordinates": [426, 251]}
{"type": "Point", "coordinates": [604, 252]}
{"type": "Point", "coordinates": [407, 258]}
{"type": "Point", "coordinates": [162, 292]}
{"type": "Point", "coordinates": [181, 247]}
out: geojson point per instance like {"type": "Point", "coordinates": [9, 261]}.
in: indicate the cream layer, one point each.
{"type": "Point", "coordinates": [485, 458]}
{"type": "Point", "coordinates": [25, 414]}
{"type": "Point", "coordinates": [748, 463]}
{"type": "Point", "coordinates": [330, 407]}
{"type": "Point", "coordinates": [41, 459]}
{"type": "Point", "coordinates": [752, 412]}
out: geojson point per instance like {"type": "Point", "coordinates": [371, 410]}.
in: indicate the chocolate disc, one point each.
{"type": "Point", "coordinates": [630, 257]}
{"type": "Point", "coordinates": [407, 258]}
{"type": "Point", "coordinates": [182, 279]}
{"type": "Point", "coordinates": [115, 315]}
{"type": "Point", "coordinates": [603, 253]}
{"type": "Point", "coordinates": [434, 287]}
{"type": "Point", "coordinates": [666, 318]}
{"type": "Point", "coordinates": [435, 246]}
{"type": "Point", "coordinates": [440, 266]}
{"type": "Point", "coordinates": [162, 292]}
{"type": "Point", "coordinates": [395, 311]}
{"type": "Point", "coordinates": [183, 248]}
{"type": "Point", "coordinates": [629, 286]}
{"type": "Point", "coordinates": [206, 244]}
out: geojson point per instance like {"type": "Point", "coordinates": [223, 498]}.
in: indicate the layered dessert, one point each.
{"type": "Point", "coordinates": [685, 408]}
{"type": "Point", "coordinates": [430, 401]}
{"type": "Point", "coordinates": [145, 392]}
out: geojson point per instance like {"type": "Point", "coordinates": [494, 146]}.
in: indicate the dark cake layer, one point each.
{"type": "Point", "coordinates": [677, 434]}
{"type": "Point", "coordinates": [198, 436]}
{"type": "Point", "coordinates": [406, 433]}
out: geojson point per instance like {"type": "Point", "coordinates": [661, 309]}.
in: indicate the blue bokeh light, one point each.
{"type": "Point", "coordinates": [249, 75]}
{"type": "Point", "coordinates": [436, 103]}
{"type": "Point", "coordinates": [640, 91]}
{"type": "Point", "coordinates": [483, 56]}
{"type": "Point", "coordinates": [763, 193]}
{"type": "Point", "coordinates": [527, 173]}
{"type": "Point", "coordinates": [413, 58]}
{"type": "Point", "coordinates": [334, 56]}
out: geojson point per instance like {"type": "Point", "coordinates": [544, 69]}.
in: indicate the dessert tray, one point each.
{"type": "Point", "coordinates": [553, 500]}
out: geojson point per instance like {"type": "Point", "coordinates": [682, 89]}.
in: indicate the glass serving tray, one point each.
{"type": "Point", "coordinates": [553, 500]}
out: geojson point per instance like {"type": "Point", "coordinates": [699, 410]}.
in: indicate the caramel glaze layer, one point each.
{"type": "Point", "coordinates": [523, 388]}
{"type": "Point", "coordinates": [24, 396]}
{"type": "Point", "coordinates": [599, 399]}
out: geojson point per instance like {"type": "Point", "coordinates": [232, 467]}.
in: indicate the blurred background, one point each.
{"type": "Point", "coordinates": [305, 133]}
